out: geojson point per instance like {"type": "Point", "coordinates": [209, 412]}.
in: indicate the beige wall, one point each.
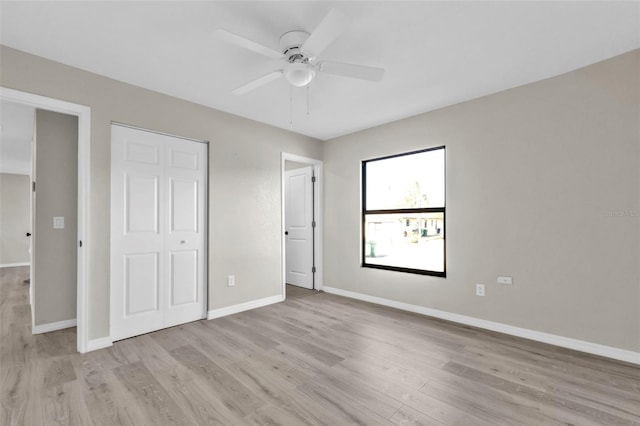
{"type": "Point", "coordinates": [292, 165]}
{"type": "Point", "coordinates": [244, 172]}
{"type": "Point", "coordinates": [15, 218]}
{"type": "Point", "coordinates": [533, 174]}
{"type": "Point", "coordinates": [55, 250]}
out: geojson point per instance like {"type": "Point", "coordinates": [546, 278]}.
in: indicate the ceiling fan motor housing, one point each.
{"type": "Point", "coordinates": [290, 46]}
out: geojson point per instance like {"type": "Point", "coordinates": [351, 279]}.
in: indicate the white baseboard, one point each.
{"type": "Point", "coordinates": [241, 307]}
{"type": "Point", "coordinates": [12, 265]}
{"type": "Point", "coordinates": [54, 326]}
{"type": "Point", "coordinates": [95, 344]}
{"type": "Point", "coordinates": [553, 339]}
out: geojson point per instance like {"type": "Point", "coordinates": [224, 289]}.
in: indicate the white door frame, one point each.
{"type": "Point", "coordinates": [84, 188]}
{"type": "Point", "coordinates": [317, 214]}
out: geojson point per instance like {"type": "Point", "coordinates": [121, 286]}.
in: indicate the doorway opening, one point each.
{"type": "Point", "coordinates": [301, 222]}
{"type": "Point", "coordinates": [17, 124]}
{"type": "Point", "coordinates": [83, 114]}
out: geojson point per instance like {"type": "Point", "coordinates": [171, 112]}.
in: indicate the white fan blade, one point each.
{"type": "Point", "coordinates": [349, 70]}
{"type": "Point", "coordinates": [331, 27]}
{"type": "Point", "coordinates": [258, 82]}
{"type": "Point", "coordinates": [232, 38]}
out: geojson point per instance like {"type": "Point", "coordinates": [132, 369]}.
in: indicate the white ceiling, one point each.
{"type": "Point", "coordinates": [16, 134]}
{"type": "Point", "coordinates": [435, 53]}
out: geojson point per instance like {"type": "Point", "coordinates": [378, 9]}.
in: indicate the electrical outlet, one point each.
{"type": "Point", "coordinates": [505, 280]}
{"type": "Point", "coordinates": [479, 289]}
{"type": "Point", "coordinates": [58, 222]}
{"type": "Point", "coordinates": [231, 280]}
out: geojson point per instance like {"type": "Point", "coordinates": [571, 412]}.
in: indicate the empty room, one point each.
{"type": "Point", "coordinates": [320, 213]}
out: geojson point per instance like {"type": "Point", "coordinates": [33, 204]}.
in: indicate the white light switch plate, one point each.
{"type": "Point", "coordinates": [58, 222]}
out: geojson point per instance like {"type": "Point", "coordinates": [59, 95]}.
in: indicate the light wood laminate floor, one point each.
{"type": "Point", "coordinates": [314, 359]}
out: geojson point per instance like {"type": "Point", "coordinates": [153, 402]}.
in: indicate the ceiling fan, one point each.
{"type": "Point", "coordinates": [299, 51]}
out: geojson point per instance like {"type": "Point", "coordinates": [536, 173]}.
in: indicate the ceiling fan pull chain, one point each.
{"type": "Point", "coordinates": [308, 100]}
{"type": "Point", "coordinates": [291, 105]}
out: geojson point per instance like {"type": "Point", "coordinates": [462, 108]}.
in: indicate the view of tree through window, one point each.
{"type": "Point", "coordinates": [403, 218]}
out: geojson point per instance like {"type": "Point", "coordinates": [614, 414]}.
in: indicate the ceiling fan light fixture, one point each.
{"type": "Point", "coordinates": [299, 75]}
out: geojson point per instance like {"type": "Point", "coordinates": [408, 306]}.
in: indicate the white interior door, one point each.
{"type": "Point", "coordinates": [158, 187]}
{"type": "Point", "coordinates": [185, 239]}
{"type": "Point", "coordinates": [298, 220]}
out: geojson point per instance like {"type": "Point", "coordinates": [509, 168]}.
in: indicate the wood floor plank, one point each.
{"type": "Point", "coordinates": [407, 416]}
{"type": "Point", "coordinates": [293, 330]}
{"type": "Point", "coordinates": [545, 359]}
{"type": "Point", "coordinates": [174, 337]}
{"type": "Point", "coordinates": [14, 314]}
{"type": "Point", "coordinates": [64, 404]}
{"type": "Point", "coordinates": [308, 356]}
{"type": "Point", "coordinates": [275, 416]}
{"type": "Point", "coordinates": [56, 372]}
{"type": "Point", "coordinates": [224, 349]}
{"type": "Point", "coordinates": [189, 392]}
{"type": "Point", "coordinates": [336, 343]}
{"type": "Point", "coordinates": [561, 356]}
{"type": "Point", "coordinates": [544, 398]}
{"type": "Point", "coordinates": [376, 378]}
{"type": "Point", "coordinates": [405, 325]}
{"type": "Point", "coordinates": [295, 292]}
{"type": "Point", "coordinates": [144, 389]}
{"type": "Point", "coordinates": [234, 394]}
{"type": "Point", "coordinates": [349, 411]}
{"type": "Point", "coordinates": [343, 385]}
{"type": "Point", "coordinates": [492, 405]}
{"type": "Point", "coordinates": [300, 318]}
{"type": "Point", "coordinates": [272, 364]}
{"type": "Point", "coordinates": [20, 389]}
{"type": "Point", "coordinates": [403, 343]}
{"type": "Point", "coordinates": [617, 402]}
{"type": "Point", "coordinates": [278, 390]}
{"type": "Point", "coordinates": [104, 395]}
{"type": "Point", "coordinates": [57, 343]}
{"type": "Point", "coordinates": [13, 290]}
{"type": "Point", "coordinates": [18, 346]}
{"type": "Point", "coordinates": [371, 367]}
{"type": "Point", "coordinates": [275, 330]}
{"type": "Point", "coordinates": [248, 335]}
{"type": "Point", "coordinates": [377, 346]}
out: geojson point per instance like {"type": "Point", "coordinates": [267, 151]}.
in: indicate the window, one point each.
{"type": "Point", "coordinates": [403, 212]}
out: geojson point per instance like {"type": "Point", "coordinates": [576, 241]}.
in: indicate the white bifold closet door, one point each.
{"type": "Point", "coordinates": [158, 235]}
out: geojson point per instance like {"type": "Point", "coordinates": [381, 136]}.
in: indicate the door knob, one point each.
{"type": "Point", "coordinates": [28, 234]}
{"type": "Point", "coordinates": [286, 232]}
